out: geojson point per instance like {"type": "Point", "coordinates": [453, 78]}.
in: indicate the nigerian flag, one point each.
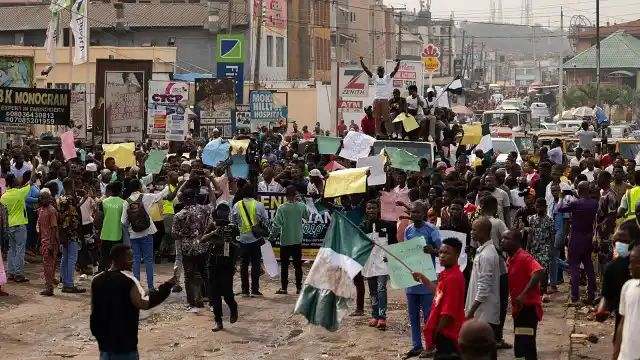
{"type": "Point", "coordinates": [486, 145]}
{"type": "Point", "coordinates": [328, 289]}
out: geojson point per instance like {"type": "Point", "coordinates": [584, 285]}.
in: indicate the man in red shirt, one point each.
{"type": "Point", "coordinates": [341, 128]}
{"type": "Point", "coordinates": [524, 287]}
{"type": "Point", "coordinates": [447, 311]}
{"type": "Point", "coordinates": [368, 123]}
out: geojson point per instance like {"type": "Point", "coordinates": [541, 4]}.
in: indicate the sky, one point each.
{"type": "Point", "coordinates": [545, 12]}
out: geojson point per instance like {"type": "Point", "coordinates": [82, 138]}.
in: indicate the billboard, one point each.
{"type": "Point", "coordinates": [78, 114]}
{"type": "Point", "coordinates": [16, 71]}
{"type": "Point", "coordinates": [121, 96]}
{"type": "Point", "coordinates": [274, 13]}
{"type": "Point", "coordinates": [314, 228]}
{"type": "Point", "coordinates": [165, 110]}
{"type": "Point", "coordinates": [409, 73]}
{"type": "Point", "coordinates": [264, 109]}
{"type": "Point", "coordinates": [236, 72]}
{"type": "Point", "coordinates": [215, 101]}
{"type": "Point", "coordinates": [354, 82]}
{"type": "Point", "coordinates": [230, 48]}
{"type": "Point", "coordinates": [35, 106]}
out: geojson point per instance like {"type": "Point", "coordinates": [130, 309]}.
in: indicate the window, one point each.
{"type": "Point", "coordinates": [279, 51]}
{"type": "Point", "coordinates": [269, 50]}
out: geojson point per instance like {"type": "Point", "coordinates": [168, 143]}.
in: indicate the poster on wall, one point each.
{"type": "Point", "coordinates": [409, 73]}
{"type": "Point", "coordinates": [78, 114]}
{"type": "Point", "coordinates": [16, 71]}
{"type": "Point", "coordinates": [166, 117]}
{"type": "Point", "coordinates": [34, 106]}
{"type": "Point", "coordinates": [243, 116]}
{"type": "Point", "coordinates": [215, 101]}
{"type": "Point", "coordinates": [314, 227]}
{"type": "Point", "coordinates": [264, 108]}
{"type": "Point", "coordinates": [120, 100]}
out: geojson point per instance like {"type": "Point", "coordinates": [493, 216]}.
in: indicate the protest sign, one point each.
{"type": "Point", "coordinates": [153, 164]}
{"type": "Point", "coordinates": [328, 144]}
{"type": "Point", "coordinates": [68, 146]}
{"type": "Point", "coordinates": [216, 151]}
{"type": "Point", "coordinates": [402, 159]}
{"type": "Point", "coordinates": [377, 176]}
{"type": "Point", "coordinates": [239, 167]}
{"type": "Point", "coordinates": [122, 153]}
{"type": "Point", "coordinates": [472, 134]}
{"type": "Point", "coordinates": [35, 106]}
{"type": "Point", "coordinates": [239, 147]}
{"type": "Point", "coordinates": [314, 227]}
{"type": "Point", "coordinates": [347, 181]}
{"type": "Point", "coordinates": [356, 145]}
{"type": "Point", "coordinates": [462, 259]}
{"type": "Point", "coordinates": [124, 105]}
{"type": "Point", "coordinates": [388, 209]}
{"type": "Point", "coordinates": [411, 253]}
{"type": "Point", "coordinates": [269, 260]}
{"type": "Point", "coordinates": [78, 111]}
{"type": "Point", "coordinates": [409, 123]}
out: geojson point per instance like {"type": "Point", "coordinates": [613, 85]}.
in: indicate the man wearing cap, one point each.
{"type": "Point", "coordinates": [316, 183]}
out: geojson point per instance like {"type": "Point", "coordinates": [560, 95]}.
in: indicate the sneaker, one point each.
{"type": "Point", "coordinates": [256, 294]}
{"type": "Point", "coordinates": [412, 353]}
{"type": "Point", "coordinates": [427, 354]}
{"type": "Point", "coordinates": [357, 313]}
{"type": "Point", "coordinates": [500, 345]}
{"type": "Point", "coordinates": [373, 322]}
{"type": "Point", "coordinates": [382, 325]}
{"type": "Point", "coordinates": [193, 310]}
{"type": "Point", "coordinates": [73, 290]}
{"type": "Point", "coordinates": [46, 292]}
{"type": "Point", "coordinates": [218, 327]}
{"type": "Point", "coordinates": [20, 279]}
{"type": "Point", "coordinates": [281, 292]}
{"type": "Point", "coordinates": [176, 288]}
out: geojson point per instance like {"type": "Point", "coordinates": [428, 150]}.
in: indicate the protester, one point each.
{"type": "Point", "coordinates": [48, 229]}
{"type": "Point", "coordinates": [383, 86]}
{"type": "Point", "coordinates": [15, 201]}
{"type": "Point", "coordinates": [476, 341]}
{"type": "Point", "coordinates": [626, 345]}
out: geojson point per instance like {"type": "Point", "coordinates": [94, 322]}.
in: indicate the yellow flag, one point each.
{"type": "Point", "coordinates": [409, 123]}
{"type": "Point", "coordinates": [121, 153]}
{"type": "Point", "coordinates": [347, 181]}
{"type": "Point", "coordinates": [472, 134]}
{"type": "Point", "coordinates": [239, 147]}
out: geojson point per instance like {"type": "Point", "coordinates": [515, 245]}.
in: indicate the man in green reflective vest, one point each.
{"type": "Point", "coordinates": [167, 217]}
{"type": "Point", "coordinates": [245, 214]}
{"type": "Point", "coordinates": [630, 200]}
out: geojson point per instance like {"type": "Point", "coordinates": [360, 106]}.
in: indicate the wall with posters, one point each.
{"type": "Point", "coordinates": [79, 114]}
{"type": "Point", "coordinates": [16, 71]}
{"type": "Point", "coordinates": [165, 119]}
{"type": "Point", "coordinates": [121, 96]}
{"type": "Point", "coordinates": [215, 102]}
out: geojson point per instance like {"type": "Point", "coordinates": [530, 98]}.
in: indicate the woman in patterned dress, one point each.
{"type": "Point", "coordinates": [541, 236]}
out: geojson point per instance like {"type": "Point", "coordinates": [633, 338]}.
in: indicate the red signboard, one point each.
{"type": "Point", "coordinates": [350, 106]}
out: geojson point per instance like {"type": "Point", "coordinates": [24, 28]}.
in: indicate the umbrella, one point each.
{"type": "Point", "coordinates": [333, 166]}
{"type": "Point", "coordinates": [583, 111]}
{"type": "Point", "coordinates": [461, 109]}
{"type": "Point", "coordinates": [567, 115]}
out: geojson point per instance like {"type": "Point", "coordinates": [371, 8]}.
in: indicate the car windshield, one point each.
{"type": "Point", "coordinates": [550, 127]}
{"type": "Point", "coordinates": [524, 143]}
{"type": "Point", "coordinates": [629, 150]}
{"type": "Point", "coordinates": [503, 147]}
{"type": "Point", "coordinates": [511, 103]}
{"type": "Point", "coordinates": [502, 119]}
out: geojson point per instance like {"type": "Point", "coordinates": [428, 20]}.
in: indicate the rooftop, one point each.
{"type": "Point", "coordinates": [618, 51]}
{"type": "Point", "coordinates": [136, 15]}
{"type": "Point", "coordinates": [631, 28]}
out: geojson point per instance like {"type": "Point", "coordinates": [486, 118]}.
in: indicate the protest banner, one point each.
{"type": "Point", "coordinates": [239, 167]}
{"type": "Point", "coordinates": [216, 103]}
{"type": "Point", "coordinates": [35, 106]}
{"type": "Point", "coordinates": [78, 113]}
{"type": "Point", "coordinates": [347, 181]}
{"type": "Point", "coordinates": [67, 145]}
{"type": "Point", "coordinates": [165, 119]}
{"type": "Point", "coordinates": [412, 254]}
{"type": "Point", "coordinates": [328, 144]}
{"type": "Point", "coordinates": [356, 145]}
{"type": "Point", "coordinates": [153, 164]}
{"type": "Point", "coordinates": [409, 123]}
{"type": "Point", "coordinates": [121, 153]}
{"type": "Point", "coordinates": [314, 227]}
{"type": "Point", "coordinates": [402, 159]}
{"type": "Point", "coordinates": [120, 99]}
{"type": "Point", "coordinates": [239, 147]}
{"type": "Point", "coordinates": [388, 209]}
{"type": "Point", "coordinates": [377, 176]}
{"type": "Point", "coordinates": [216, 151]}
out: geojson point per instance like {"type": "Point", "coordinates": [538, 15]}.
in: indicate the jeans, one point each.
{"type": "Point", "coordinates": [358, 281]}
{"type": "Point", "coordinates": [143, 248]}
{"type": "Point", "coordinates": [250, 254]}
{"type": "Point", "coordinates": [577, 256]}
{"type": "Point", "coordinates": [378, 295]}
{"type": "Point", "coordinates": [525, 325]}
{"type": "Point", "coordinates": [195, 278]}
{"type": "Point", "coordinates": [68, 263]}
{"type": "Point", "coordinates": [17, 243]}
{"type": "Point", "coordinates": [119, 356]}
{"type": "Point", "coordinates": [415, 304]}
{"type": "Point", "coordinates": [221, 286]}
{"type": "Point", "coordinates": [555, 265]}
{"type": "Point", "coordinates": [295, 252]}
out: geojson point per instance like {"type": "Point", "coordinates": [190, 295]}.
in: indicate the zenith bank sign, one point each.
{"type": "Point", "coordinates": [354, 82]}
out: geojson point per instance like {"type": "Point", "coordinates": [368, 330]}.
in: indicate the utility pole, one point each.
{"type": "Point", "coordinates": [256, 69]}
{"type": "Point", "coordinates": [372, 26]}
{"type": "Point", "coordinates": [473, 59]}
{"type": "Point", "coordinates": [229, 25]}
{"type": "Point", "coordinates": [482, 63]}
{"type": "Point", "coordinates": [399, 55]}
{"type": "Point", "coordinates": [450, 46]}
{"type": "Point", "coordinates": [561, 72]}
{"type": "Point", "coordinates": [462, 51]}
{"type": "Point", "coordinates": [597, 52]}
{"type": "Point", "coordinates": [312, 41]}
{"type": "Point", "coordinates": [338, 58]}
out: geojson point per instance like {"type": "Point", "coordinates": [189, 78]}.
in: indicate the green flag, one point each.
{"type": "Point", "coordinates": [328, 289]}
{"type": "Point", "coordinates": [328, 144]}
{"type": "Point", "coordinates": [402, 159]}
{"type": "Point", "coordinates": [153, 164]}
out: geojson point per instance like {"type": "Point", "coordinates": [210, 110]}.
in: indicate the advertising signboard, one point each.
{"type": "Point", "coordinates": [215, 103]}
{"type": "Point", "coordinates": [409, 73]}
{"type": "Point", "coordinates": [263, 108]}
{"type": "Point", "coordinates": [35, 106]}
{"type": "Point", "coordinates": [354, 82]}
{"type": "Point", "coordinates": [165, 97]}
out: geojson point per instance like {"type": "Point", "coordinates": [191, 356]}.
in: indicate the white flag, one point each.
{"type": "Point", "coordinates": [53, 32]}
{"type": "Point", "coordinates": [80, 28]}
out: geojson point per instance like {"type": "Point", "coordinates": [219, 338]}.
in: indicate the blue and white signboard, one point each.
{"type": "Point", "coordinates": [263, 108]}
{"type": "Point", "coordinates": [236, 71]}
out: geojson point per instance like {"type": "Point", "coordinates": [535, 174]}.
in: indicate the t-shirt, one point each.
{"type": "Point", "coordinates": [47, 221]}
{"type": "Point", "coordinates": [288, 222]}
{"type": "Point", "coordinates": [555, 155]}
{"type": "Point", "coordinates": [383, 87]}
{"type": "Point", "coordinates": [413, 106]}
{"type": "Point", "coordinates": [589, 174]}
{"type": "Point", "coordinates": [630, 309]}
{"type": "Point", "coordinates": [86, 210]}
{"type": "Point", "coordinates": [585, 139]}
{"type": "Point", "coordinates": [503, 201]}
{"type": "Point", "coordinates": [15, 201]}
{"type": "Point", "coordinates": [432, 237]}
{"type": "Point", "coordinates": [448, 300]}
{"type": "Point", "coordinates": [521, 267]}
{"type": "Point", "coordinates": [111, 226]}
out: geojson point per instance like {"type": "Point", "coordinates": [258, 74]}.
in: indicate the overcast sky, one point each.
{"type": "Point", "coordinates": [544, 11]}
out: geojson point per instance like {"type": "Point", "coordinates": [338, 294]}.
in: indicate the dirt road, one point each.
{"type": "Point", "coordinates": [35, 327]}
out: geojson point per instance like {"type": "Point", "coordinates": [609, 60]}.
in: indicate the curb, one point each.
{"type": "Point", "coordinates": [570, 326]}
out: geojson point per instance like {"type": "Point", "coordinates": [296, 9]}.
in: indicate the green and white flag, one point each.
{"type": "Point", "coordinates": [54, 30]}
{"type": "Point", "coordinates": [328, 289]}
{"type": "Point", "coordinates": [80, 28]}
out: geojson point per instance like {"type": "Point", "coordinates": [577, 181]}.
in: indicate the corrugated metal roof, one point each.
{"type": "Point", "coordinates": [618, 51]}
{"type": "Point", "coordinates": [631, 28]}
{"type": "Point", "coordinates": [136, 15]}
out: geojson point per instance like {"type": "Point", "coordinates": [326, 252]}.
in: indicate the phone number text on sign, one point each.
{"type": "Point", "coordinates": [23, 117]}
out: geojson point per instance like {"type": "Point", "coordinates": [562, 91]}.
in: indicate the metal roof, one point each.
{"type": "Point", "coordinates": [136, 15]}
{"type": "Point", "coordinates": [618, 51]}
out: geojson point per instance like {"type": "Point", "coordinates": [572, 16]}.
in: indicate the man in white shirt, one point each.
{"type": "Point", "coordinates": [483, 297]}
{"type": "Point", "coordinates": [383, 89]}
{"type": "Point", "coordinates": [627, 346]}
{"type": "Point", "coordinates": [555, 154]}
{"type": "Point", "coordinates": [501, 196]}
{"type": "Point", "coordinates": [268, 184]}
{"type": "Point", "coordinates": [590, 170]}
{"type": "Point", "coordinates": [585, 137]}
{"type": "Point", "coordinates": [577, 159]}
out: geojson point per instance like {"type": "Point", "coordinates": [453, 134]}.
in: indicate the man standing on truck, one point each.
{"type": "Point", "coordinates": [383, 89]}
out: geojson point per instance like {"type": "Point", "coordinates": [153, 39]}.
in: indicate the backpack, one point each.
{"type": "Point", "coordinates": [138, 217]}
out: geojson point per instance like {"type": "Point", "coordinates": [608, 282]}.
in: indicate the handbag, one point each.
{"type": "Point", "coordinates": [258, 230]}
